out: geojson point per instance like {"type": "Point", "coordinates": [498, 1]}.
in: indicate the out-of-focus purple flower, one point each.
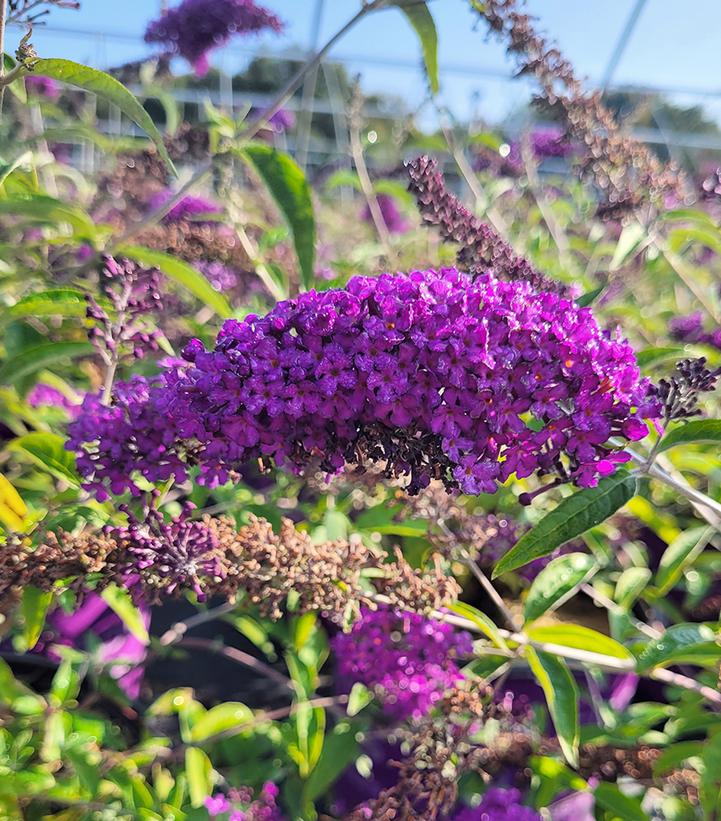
{"type": "Point", "coordinates": [578, 806]}
{"type": "Point", "coordinates": [407, 659]}
{"type": "Point", "coordinates": [282, 120]}
{"type": "Point", "coordinates": [194, 28]}
{"type": "Point", "coordinates": [505, 161]}
{"type": "Point", "coordinates": [189, 208]}
{"type": "Point", "coordinates": [623, 689]}
{"type": "Point", "coordinates": [498, 805]}
{"type": "Point", "coordinates": [43, 86]}
{"type": "Point", "coordinates": [550, 142]}
{"type": "Point", "coordinates": [118, 648]}
{"type": "Point", "coordinates": [690, 329]}
{"type": "Point", "coordinates": [394, 220]}
{"type": "Point", "coordinates": [393, 368]}
{"type": "Point", "coordinates": [239, 805]}
{"type": "Point", "coordinates": [220, 276]}
{"type": "Point", "coordinates": [46, 395]}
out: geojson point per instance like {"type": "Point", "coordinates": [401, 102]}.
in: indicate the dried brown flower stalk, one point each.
{"type": "Point", "coordinates": [482, 249]}
{"type": "Point", "coordinates": [626, 172]}
{"type": "Point", "coordinates": [217, 559]}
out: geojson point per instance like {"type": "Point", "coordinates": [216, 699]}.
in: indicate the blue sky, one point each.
{"type": "Point", "coordinates": [674, 45]}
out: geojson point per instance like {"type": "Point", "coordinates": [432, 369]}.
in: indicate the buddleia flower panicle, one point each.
{"type": "Point", "coordinates": [431, 374]}
{"type": "Point", "coordinates": [626, 173]}
{"type": "Point", "coordinates": [482, 248]}
{"type": "Point", "coordinates": [194, 28]}
{"type": "Point", "coordinates": [133, 293]}
{"type": "Point", "coordinates": [407, 659]}
{"type": "Point", "coordinates": [394, 220]}
{"type": "Point", "coordinates": [499, 804]}
{"type": "Point", "coordinates": [240, 804]}
{"type": "Point", "coordinates": [680, 393]}
{"type": "Point", "coordinates": [157, 559]}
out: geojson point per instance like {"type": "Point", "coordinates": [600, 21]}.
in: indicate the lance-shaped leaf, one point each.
{"type": "Point", "coordinates": [110, 89]}
{"type": "Point", "coordinates": [55, 302]}
{"type": "Point", "coordinates": [680, 554]}
{"type": "Point", "coordinates": [119, 600]}
{"type": "Point", "coordinates": [47, 451]}
{"type": "Point", "coordinates": [561, 693]}
{"type": "Point", "coordinates": [679, 641]}
{"type": "Point", "coordinates": [699, 431]}
{"type": "Point", "coordinates": [580, 638]}
{"type": "Point", "coordinates": [420, 17]}
{"type": "Point", "coordinates": [31, 360]}
{"type": "Point", "coordinates": [199, 772]}
{"type": "Point", "coordinates": [289, 188]}
{"type": "Point", "coordinates": [34, 608]}
{"type": "Point", "coordinates": [557, 582]}
{"type": "Point", "coordinates": [574, 515]}
{"type": "Point", "coordinates": [184, 274]}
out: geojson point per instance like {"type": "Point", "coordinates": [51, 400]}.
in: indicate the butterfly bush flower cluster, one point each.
{"type": "Point", "coordinates": [194, 28]}
{"type": "Point", "coordinates": [435, 374]}
{"type": "Point", "coordinates": [44, 395]}
{"type": "Point", "coordinates": [189, 207]}
{"type": "Point", "coordinates": [43, 86]}
{"type": "Point", "coordinates": [499, 805]}
{"type": "Point", "coordinates": [239, 805]}
{"type": "Point", "coordinates": [409, 660]}
{"type": "Point", "coordinates": [133, 292]}
{"type": "Point", "coordinates": [691, 329]}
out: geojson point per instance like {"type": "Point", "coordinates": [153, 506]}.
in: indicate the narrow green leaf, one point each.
{"type": "Point", "coordinates": [49, 211]}
{"type": "Point", "coordinates": [650, 356]}
{"type": "Point", "coordinates": [586, 299]}
{"type": "Point", "coordinates": [628, 242]}
{"type": "Point", "coordinates": [110, 89]}
{"type": "Point", "coordinates": [673, 757]}
{"type": "Point", "coordinates": [182, 273]}
{"type": "Point", "coordinates": [199, 772]}
{"type": "Point", "coordinates": [358, 698]}
{"type": "Point", "coordinates": [221, 718]}
{"type": "Point", "coordinates": [420, 17]}
{"type": "Point", "coordinates": [31, 360]}
{"type": "Point", "coordinates": [55, 302]}
{"type": "Point", "coordinates": [695, 432]}
{"type": "Point", "coordinates": [677, 640]}
{"type": "Point", "coordinates": [561, 693]}
{"type": "Point", "coordinates": [121, 603]}
{"type": "Point", "coordinates": [47, 451]}
{"type": "Point", "coordinates": [482, 622]}
{"type": "Point", "coordinates": [609, 797]}
{"type": "Point", "coordinates": [339, 751]}
{"type": "Point", "coordinates": [580, 638]}
{"type": "Point", "coordinates": [557, 582]}
{"type": "Point", "coordinates": [34, 608]}
{"type": "Point", "coordinates": [630, 585]}
{"type": "Point", "coordinates": [574, 515]}
{"type": "Point", "coordinates": [292, 193]}
{"type": "Point", "coordinates": [67, 681]}
{"type": "Point", "coordinates": [679, 555]}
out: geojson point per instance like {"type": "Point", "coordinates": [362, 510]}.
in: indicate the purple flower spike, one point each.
{"type": "Point", "coordinates": [498, 805]}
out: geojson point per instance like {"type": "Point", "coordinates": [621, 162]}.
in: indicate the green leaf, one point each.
{"type": "Point", "coordinates": [673, 757]}
{"type": "Point", "coordinates": [586, 299]}
{"type": "Point", "coordinates": [561, 693]}
{"type": "Point", "coordinates": [650, 356]}
{"type": "Point", "coordinates": [339, 751]}
{"type": "Point", "coordinates": [199, 772]}
{"type": "Point", "coordinates": [55, 302]}
{"type": "Point", "coordinates": [678, 640]}
{"type": "Point", "coordinates": [34, 608]}
{"type": "Point", "coordinates": [574, 515]}
{"type": "Point", "coordinates": [358, 698]}
{"type": "Point", "coordinates": [47, 451]}
{"type": "Point", "coordinates": [420, 17]}
{"type": "Point", "coordinates": [557, 582]}
{"type": "Point", "coordinates": [119, 600]}
{"type": "Point", "coordinates": [622, 806]}
{"type": "Point", "coordinates": [49, 211]}
{"type": "Point", "coordinates": [482, 622]}
{"type": "Point", "coordinates": [182, 273]}
{"type": "Point", "coordinates": [292, 193]}
{"type": "Point", "coordinates": [697, 431]}
{"type": "Point", "coordinates": [580, 638]}
{"type": "Point", "coordinates": [31, 360]}
{"type": "Point", "coordinates": [679, 555]}
{"type": "Point", "coordinates": [67, 681]}
{"type": "Point", "coordinates": [110, 89]}
{"type": "Point", "coordinates": [630, 585]}
{"type": "Point", "coordinates": [221, 718]}
{"type": "Point", "coordinates": [628, 242]}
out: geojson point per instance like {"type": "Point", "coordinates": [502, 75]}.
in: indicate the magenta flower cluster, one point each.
{"type": "Point", "coordinates": [43, 86]}
{"type": "Point", "coordinates": [44, 395]}
{"type": "Point", "coordinates": [189, 208]}
{"type": "Point", "coordinates": [498, 805]}
{"type": "Point", "coordinates": [239, 805]}
{"type": "Point", "coordinates": [409, 660]}
{"type": "Point", "coordinates": [434, 373]}
{"type": "Point", "coordinates": [691, 329]}
{"type": "Point", "coordinates": [195, 27]}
